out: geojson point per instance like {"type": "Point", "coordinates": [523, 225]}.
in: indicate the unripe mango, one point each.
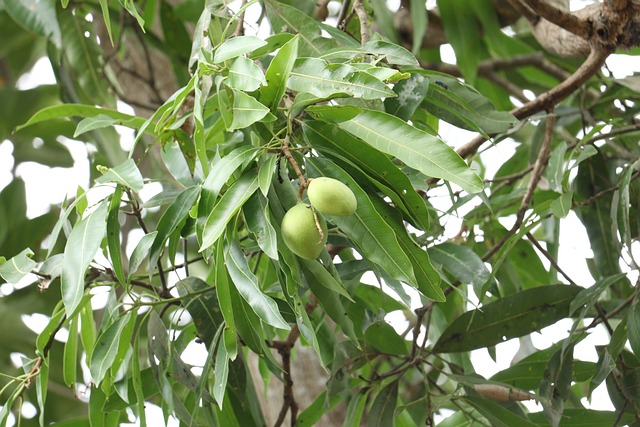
{"type": "Point", "coordinates": [331, 197]}
{"type": "Point", "coordinates": [304, 231]}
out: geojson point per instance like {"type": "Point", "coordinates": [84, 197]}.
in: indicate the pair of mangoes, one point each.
{"type": "Point", "coordinates": [304, 229]}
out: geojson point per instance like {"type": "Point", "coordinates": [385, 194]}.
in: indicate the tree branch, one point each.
{"type": "Point", "coordinates": [561, 18]}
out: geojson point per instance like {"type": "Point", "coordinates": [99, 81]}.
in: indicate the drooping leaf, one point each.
{"type": "Point", "coordinates": [513, 316]}
{"type": "Point", "coordinates": [227, 207]}
{"type": "Point", "coordinates": [106, 348]}
{"type": "Point", "coordinates": [82, 245]}
{"type": "Point", "coordinates": [113, 234]}
{"type": "Point", "coordinates": [247, 284]}
{"type": "Point", "coordinates": [414, 147]}
{"type": "Point", "coordinates": [126, 174]}
{"type": "Point", "coordinates": [383, 337]}
{"type": "Point", "coordinates": [278, 73]}
{"type": "Point", "coordinates": [382, 412]}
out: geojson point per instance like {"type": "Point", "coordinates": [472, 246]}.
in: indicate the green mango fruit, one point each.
{"type": "Point", "coordinates": [304, 231]}
{"type": "Point", "coordinates": [331, 197]}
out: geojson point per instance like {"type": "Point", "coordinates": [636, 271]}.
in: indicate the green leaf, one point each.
{"type": "Point", "coordinates": [221, 374]}
{"type": "Point", "coordinates": [343, 147]}
{"type": "Point", "coordinates": [199, 298]}
{"type": "Point", "coordinates": [223, 292]}
{"type": "Point", "coordinates": [278, 74]}
{"type": "Point", "coordinates": [247, 285]}
{"type": "Point", "coordinates": [633, 326]}
{"type": "Point", "coordinates": [126, 174]}
{"type": "Point", "coordinates": [374, 238]}
{"type": "Point", "coordinates": [70, 361]}
{"type": "Point", "coordinates": [418, 23]}
{"type": "Point", "coordinates": [246, 111]}
{"type": "Point", "coordinates": [393, 53]}
{"type": "Point", "coordinates": [236, 46]}
{"type": "Point", "coordinates": [414, 147]}
{"type": "Point", "coordinates": [91, 123]}
{"type": "Point", "coordinates": [285, 18]}
{"type": "Point", "coordinates": [382, 412]}
{"type": "Point", "coordinates": [580, 417]}
{"type": "Point", "coordinates": [170, 220]}
{"type": "Point", "coordinates": [245, 75]}
{"type": "Point", "coordinates": [325, 278]}
{"type": "Point", "coordinates": [462, 105]}
{"type": "Point", "coordinates": [113, 234]}
{"type": "Point", "coordinates": [82, 110]}
{"type": "Point", "coordinates": [461, 262]}
{"type": "Point", "coordinates": [384, 338]}
{"type": "Point", "coordinates": [498, 415]}
{"type": "Point", "coordinates": [256, 213]}
{"type": "Point", "coordinates": [317, 77]}
{"type": "Point", "coordinates": [463, 32]}
{"type": "Point", "coordinates": [320, 406]}
{"type": "Point", "coordinates": [589, 296]}
{"type": "Point", "coordinates": [140, 252]}
{"type": "Point", "coordinates": [555, 385]}
{"type": "Point", "coordinates": [36, 16]}
{"type": "Point", "coordinates": [14, 269]}
{"type": "Point", "coordinates": [227, 207]}
{"type": "Point", "coordinates": [513, 316]}
{"type": "Point", "coordinates": [106, 348]}
{"type": "Point", "coordinates": [561, 206]}
{"type": "Point", "coordinates": [411, 92]}
{"type": "Point", "coordinates": [82, 245]}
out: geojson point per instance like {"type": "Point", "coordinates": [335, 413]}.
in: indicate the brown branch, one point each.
{"type": "Point", "coordinates": [289, 401]}
{"type": "Point", "coordinates": [286, 153]}
{"type": "Point", "coordinates": [240, 24]}
{"type": "Point", "coordinates": [358, 7]}
{"type": "Point", "coordinates": [524, 10]}
{"type": "Point", "coordinates": [548, 256]}
{"type": "Point", "coordinates": [342, 15]}
{"type": "Point", "coordinates": [561, 18]}
{"type": "Point", "coordinates": [549, 99]}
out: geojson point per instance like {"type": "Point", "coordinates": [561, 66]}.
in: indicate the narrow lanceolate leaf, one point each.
{"type": "Point", "coordinates": [256, 213]}
{"type": "Point", "coordinates": [113, 234]}
{"type": "Point", "coordinates": [221, 374]}
{"type": "Point", "coordinates": [227, 207]}
{"type": "Point", "coordinates": [278, 74]}
{"type": "Point", "coordinates": [14, 269]}
{"type": "Point", "coordinates": [140, 252]}
{"type": "Point", "coordinates": [497, 415]}
{"type": "Point", "coordinates": [247, 284]}
{"type": "Point", "coordinates": [393, 53]}
{"type": "Point", "coordinates": [106, 348]}
{"type": "Point", "coordinates": [510, 317]}
{"type": "Point", "coordinates": [81, 110]}
{"type": "Point", "coordinates": [199, 298]}
{"type": "Point", "coordinates": [246, 111]}
{"type": "Point", "coordinates": [36, 16]}
{"type": "Point", "coordinates": [633, 326]}
{"type": "Point", "coordinates": [70, 362]}
{"type": "Point", "coordinates": [315, 76]}
{"type": "Point", "coordinates": [232, 48]}
{"type": "Point", "coordinates": [382, 412]}
{"type": "Point", "coordinates": [171, 219]}
{"type": "Point", "coordinates": [126, 174]}
{"type": "Point", "coordinates": [367, 229]}
{"type": "Point", "coordinates": [82, 245]}
{"type": "Point", "coordinates": [414, 147]}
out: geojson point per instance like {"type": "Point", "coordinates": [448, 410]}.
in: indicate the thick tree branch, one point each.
{"type": "Point", "coordinates": [561, 18]}
{"type": "Point", "coordinates": [549, 99]}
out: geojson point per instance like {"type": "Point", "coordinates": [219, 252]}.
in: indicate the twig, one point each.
{"type": "Point", "coordinates": [286, 153]}
{"type": "Point", "coordinates": [240, 24]}
{"type": "Point", "coordinates": [538, 168]}
{"type": "Point", "coordinates": [289, 403]}
{"type": "Point", "coordinates": [548, 256]}
{"type": "Point", "coordinates": [358, 7]}
{"type": "Point", "coordinates": [342, 16]}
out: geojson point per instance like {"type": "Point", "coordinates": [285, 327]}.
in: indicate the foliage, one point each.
{"type": "Point", "coordinates": [137, 282]}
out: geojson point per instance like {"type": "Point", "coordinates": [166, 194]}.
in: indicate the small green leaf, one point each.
{"type": "Point", "coordinates": [393, 53]}
{"type": "Point", "coordinates": [236, 46]}
{"type": "Point", "coordinates": [113, 234]}
{"type": "Point", "coordinates": [14, 269]}
{"type": "Point", "coordinates": [384, 338]}
{"type": "Point", "coordinates": [221, 374]}
{"type": "Point", "coordinates": [91, 123]}
{"type": "Point", "coordinates": [411, 92]}
{"type": "Point", "coordinates": [70, 361]}
{"type": "Point", "coordinates": [278, 74]}
{"type": "Point", "coordinates": [461, 262]}
{"type": "Point", "coordinates": [246, 111]}
{"type": "Point", "coordinates": [126, 174]}
{"type": "Point", "coordinates": [561, 206]}
{"type": "Point", "coordinates": [82, 245]}
{"type": "Point", "coordinates": [498, 415]}
{"type": "Point", "coordinates": [140, 252]}
{"type": "Point", "coordinates": [106, 348]}
{"type": "Point", "coordinates": [256, 213]}
{"type": "Point", "coordinates": [245, 75]}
